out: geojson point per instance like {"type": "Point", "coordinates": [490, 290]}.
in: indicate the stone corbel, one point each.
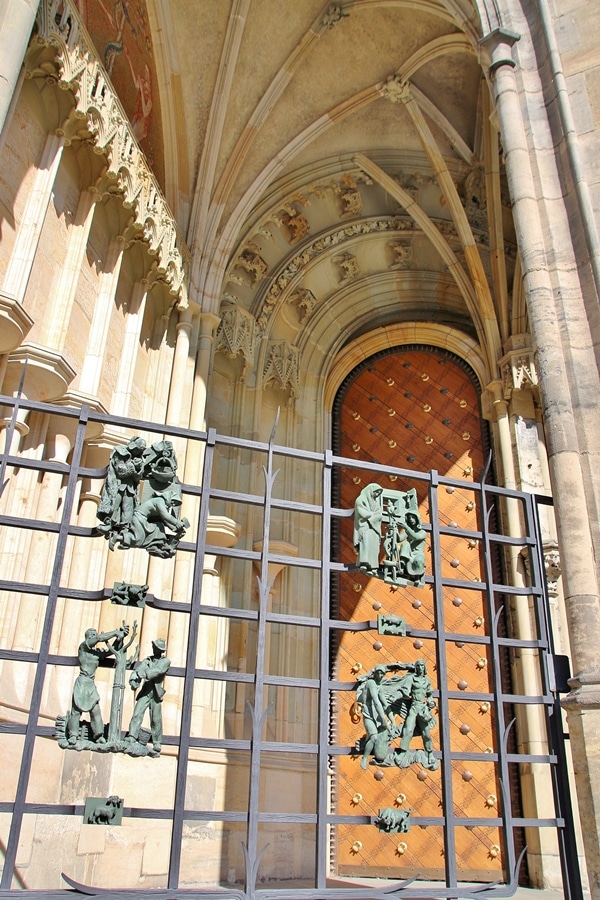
{"type": "Point", "coordinates": [518, 371]}
{"type": "Point", "coordinates": [282, 367]}
{"type": "Point", "coordinates": [236, 335]}
{"type": "Point", "coordinates": [47, 377]}
{"type": "Point", "coordinates": [276, 548]}
{"type": "Point", "coordinates": [15, 323]}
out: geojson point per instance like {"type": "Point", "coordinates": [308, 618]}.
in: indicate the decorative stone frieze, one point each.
{"type": "Point", "coordinates": [518, 371]}
{"type": "Point", "coordinates": [349, 267]}
{"type": "Point", "coordinates": [282, 367]}
{"type": "Point", "coordinates": [293, 268]}
{"type": "Point", "coordinates": [236, 335]}
{"type": "Point", "coordinates": [98, 117]}
{"type": "Point", "coordinates": [305, 301]}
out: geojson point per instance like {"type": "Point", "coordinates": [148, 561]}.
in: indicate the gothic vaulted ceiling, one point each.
{"type": "Point", "coordinates": [333, 162]}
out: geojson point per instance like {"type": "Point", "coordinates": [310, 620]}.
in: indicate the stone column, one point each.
{"type": "Point", "coordinates": [17, 18]}
{"type": "Point", "coordinates": [133, 327]}
{"type": "Point", "coordinates": [577, 554]}
{"type": "Point", "coordinates": [178, 373]}
{"type": "Point", "coordinates": [25, 246]}
{"type": "Point", "coordinates": [58, 311]}
{"type": "Point", "coordinates": [96, 344]}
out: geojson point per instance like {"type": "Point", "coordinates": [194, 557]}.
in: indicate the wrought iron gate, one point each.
{"type": "Point", "coordinates": [298, 505]}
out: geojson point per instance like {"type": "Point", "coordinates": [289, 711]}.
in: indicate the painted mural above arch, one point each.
{"type": "Point", "coordinates": [120, 32]}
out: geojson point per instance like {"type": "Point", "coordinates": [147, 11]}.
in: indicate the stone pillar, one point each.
{"type": "Point", "coordinates": [178, 373]}
{"type": "Point", "coordinates": [58, 311]}
{"type": "Point", "coordinates": [17, 18]}
{"type": "Point", "coordinates": [21, 261]}
{"type": "Point", "coordinates": [133, 327]}
{"type": "Point", "coordinates": [96, 344]}
{"type": "Point", "coordinates": [575, 540]}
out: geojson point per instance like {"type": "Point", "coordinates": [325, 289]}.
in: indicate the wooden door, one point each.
{"type": "Point", "coordinates": [419, 410]}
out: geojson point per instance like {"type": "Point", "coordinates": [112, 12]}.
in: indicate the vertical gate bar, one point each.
{"type": "Point", "coordinates": [42, 661]}
{"type": "Point", "coordinates": [258, 712]}
{"type": "Point", "coordinates": [442, 668]}
{"type": "Point", "coordinates": [567, 845]}
{"type": "Point", "coordinates": [190, 666]}
{"type": "Point", "coordinates": [324, 675]}
{"type": "Point", "coordinates": [500, 725]}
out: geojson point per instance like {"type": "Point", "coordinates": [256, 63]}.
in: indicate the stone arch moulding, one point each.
{"type": "Point", "coordinates": [359, 349]}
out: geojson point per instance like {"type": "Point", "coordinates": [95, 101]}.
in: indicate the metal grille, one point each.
{"type": "Point", "coordinates": [270, 500]}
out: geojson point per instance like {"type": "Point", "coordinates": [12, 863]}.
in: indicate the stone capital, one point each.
{"type": "Point", "coordinates": [496, 49]}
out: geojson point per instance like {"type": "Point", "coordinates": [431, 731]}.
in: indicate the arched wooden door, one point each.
{"type": "Point", "coordinates": [419, 409]}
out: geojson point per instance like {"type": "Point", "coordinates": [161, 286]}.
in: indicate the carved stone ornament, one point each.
{"type": "Point", "coordinates": [393, 821]}
{"type": "Point", "coordinates": [236, 335]}
{"type": "Point", "coordinates": [305, 301]}
{"type": "Point", "coordinates": [518, 372]}
{"type": "Point", "coordinates": [553, 568]}
{"type": "Point", "coordinates": [387, 518]}
{"type": "Point", "coordinates": [76, 733]}
{"type": "Point", "coordinates": [295, 222]}
{"type": "Point", "coordinates": [152, 523]}
{"type": "Point", "coordinates": [332, 15]}
{"type": "Point", "coordinates": [395, 709]}
{"type": "Point", "coordinates": [103, 810]}
{"type": "Point", "coordinates": [282, 367]}
{"type": "Point", "coordinates": [403, 255]}
{"type": "Point", "coordinates": [349, 266]}
{"type": "Point", "coordinates": [395, 89]}
{"type": "Point", "coordinates": [252, 263]}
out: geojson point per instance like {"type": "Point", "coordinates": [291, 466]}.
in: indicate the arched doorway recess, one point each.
{"type": "Point", "coordinates": [417, 407]}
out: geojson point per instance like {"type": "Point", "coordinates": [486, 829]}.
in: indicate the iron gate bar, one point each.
{"type": "Point", "coordinates": [324, 733]}
{"type": "Point", "coordinates": [560, 785]}
{"type": "Point", "coordinates": [499, 722]}
{"type": "Point", "coordinates": [442, 680]}
{"type": "Point", "coordinates": [189, 683]}
{"type": "Point", "coordinates": [257, 712]}
{"type": "Point", "coordinates": [10, 855]}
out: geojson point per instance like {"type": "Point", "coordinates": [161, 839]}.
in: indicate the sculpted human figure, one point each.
{"type": "Point", "coordinates": [376, 718]}
{"type": "Point", "coordinates": [415, 687]}
{"type": "Point", "coordinates": [119, 498]}
{"type": "Point", "coordinates": [85, 693]}
{"type": "Point", "coordinates": [368, 515]}
{"type": "Point", "coordinates": [412, 545]}
{"type": "Point", "coordinates": [161, 509]}
{"type": "Point", "coordinates": [150, 674]}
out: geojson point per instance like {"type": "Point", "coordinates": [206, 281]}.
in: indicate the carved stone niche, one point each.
{"type": "Point", "coordinates": [236, 336]}
{"type": "Point", "coordinates": [282, 367]}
